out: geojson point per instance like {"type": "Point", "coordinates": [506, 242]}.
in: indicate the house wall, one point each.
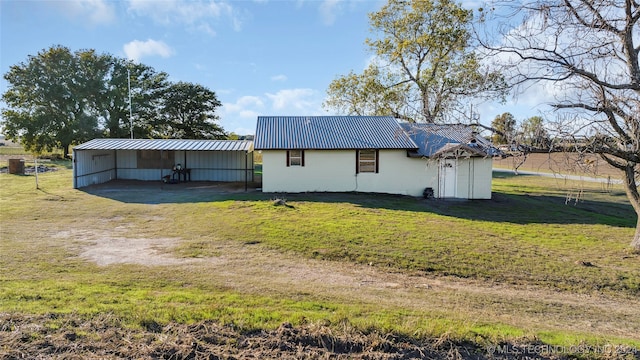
{"type": "Point", "coordinates": [93, 167]}
{"type": "Point", "coordinates": [335, 171]}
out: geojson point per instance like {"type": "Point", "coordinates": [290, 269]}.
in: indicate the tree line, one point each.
{"type": "Point", "coordinates": [59, 98]}
{"type": "Point", "coordinates": [529, 135]}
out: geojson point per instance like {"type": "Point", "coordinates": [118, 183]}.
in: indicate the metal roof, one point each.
{"type": "Point", "coordinates": [434, 140]}
{"type": "Point", "coordinates": [330, 132]}
{"type": "Point", "coordinates": [166, 144]}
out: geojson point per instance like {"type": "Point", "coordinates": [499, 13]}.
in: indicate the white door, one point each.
{"type": "Point", "coordinates": [448, 176]}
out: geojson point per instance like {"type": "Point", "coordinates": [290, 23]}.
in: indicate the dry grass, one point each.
{"type": "Point", "coordinates": [562, 163]}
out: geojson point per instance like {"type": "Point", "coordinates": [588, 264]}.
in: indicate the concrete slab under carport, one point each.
{"type": "Point", "coordinates": [157, 192]}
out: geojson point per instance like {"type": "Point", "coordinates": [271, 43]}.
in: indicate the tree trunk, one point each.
{"type": "Point", "coordinates": [631, 188]}
{"type": "Point", "coordinates": [65, 151]}
{"type": "Point", "coordinates": [635, 243]}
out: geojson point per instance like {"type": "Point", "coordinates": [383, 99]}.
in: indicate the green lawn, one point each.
{"type": "Point", "coordinates": [532, 235]}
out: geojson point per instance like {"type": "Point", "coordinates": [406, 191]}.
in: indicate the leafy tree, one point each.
{"type": "Point", "coordinates": [112, 106]}
{"type": "Point", "coordinates": [504, 127]}
{"type": "Point", "coordinates": [366, 94]}
{"type": "Point", "coordinates": [534, 134]}
{"type": "Point", "coordinates": [59, 98]}
{"type": "Point", "coordinates": [49, 99]}
{"type": "Point", "coordinates": [426, 65]}
{"type": "Point", "coordinates": [589, 50]}
{"type": "Point", "coordinates": [187, 111]}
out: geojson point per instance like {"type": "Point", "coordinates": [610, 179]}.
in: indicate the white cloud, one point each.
{"type": "Point", "coordinates": [244, 111]}
{"type": "Point", "coordinates": [197, 15]}
{"type": "Point", "coordinates": [328, 9]}
{"type": "Point", "coordinates": [279, 77]}
{"type": "Point", "coordinates": [207, 29]}
{"type": "Point", "coordinates": [293, 99]}
{"type": "Point", "coordinates": [245, 107]}
{"type": "Point", "coordinates": [95, 12]}
{"type": "Point", "coordinates": [137, 49]}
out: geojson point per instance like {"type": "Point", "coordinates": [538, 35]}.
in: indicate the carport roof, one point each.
{"type": "Point", "coordinates": [166, 144]}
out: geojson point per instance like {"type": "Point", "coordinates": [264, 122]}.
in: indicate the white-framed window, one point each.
{"type": "Point", "coordinates": [295, 157]}
{"type": "Point", "coordinates": [367, 161]}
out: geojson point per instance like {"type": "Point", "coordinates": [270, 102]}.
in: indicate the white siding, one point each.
{"type": "Point", "coordinates": [334, 171]}
{"type": "Point", "coordinates": [93, 167]}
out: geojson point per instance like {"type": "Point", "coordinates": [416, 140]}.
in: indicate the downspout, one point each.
{"type": "Point", "coordinates": [115, 163]}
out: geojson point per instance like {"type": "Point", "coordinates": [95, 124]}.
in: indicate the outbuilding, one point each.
{"type": "Point", "coordinates": [169, 160]}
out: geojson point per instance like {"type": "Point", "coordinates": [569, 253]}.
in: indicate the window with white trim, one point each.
{"type": "Point", "coordinates": [295, 157]}
{"type": "Point", "coordinates": [367, 161]}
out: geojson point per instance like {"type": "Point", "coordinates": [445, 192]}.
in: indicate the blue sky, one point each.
{"type": "Point", "coordinates": [261, 57]}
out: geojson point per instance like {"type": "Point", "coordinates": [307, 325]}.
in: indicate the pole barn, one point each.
{"type": "Point", "coordinates": [170, 160]}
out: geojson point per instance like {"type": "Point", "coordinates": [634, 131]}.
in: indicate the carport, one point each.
{"type": "Point", "coordinates": [102, 160]}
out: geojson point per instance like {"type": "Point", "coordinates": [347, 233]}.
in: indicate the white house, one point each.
{"type": "Point", "coordinates": [373, 154]}
{"type": "Point", "coordinates": [101, 160]}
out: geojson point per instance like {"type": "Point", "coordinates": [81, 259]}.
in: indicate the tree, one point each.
{"type": "Point", "coordinates": [504, 127]}
{"type": "Point", "coordinates": [366, 94]}
{"type": "Point", "coordinates": [59, 98]}
{"type": "Point", "coordinates": [533, 133]}
{"type": "Point", "coordinates": [112, 106]}
{"type": "Point", "coordinates": [49, 99]}
{"type": "Point", "coordinates": [425, 69]}
{"type": "Point", "coordinates": [589, 51]}
{"type": "Point", "coordinates": [187, 111]}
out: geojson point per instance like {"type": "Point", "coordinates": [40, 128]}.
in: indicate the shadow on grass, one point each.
{"type": "Point", "coordinates": [503, 207]}
{"type": "Point", "coordinates": [517, 209]}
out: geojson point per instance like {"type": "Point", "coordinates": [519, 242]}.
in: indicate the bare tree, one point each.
{"type": "Point", "coordinates": [588, 51]}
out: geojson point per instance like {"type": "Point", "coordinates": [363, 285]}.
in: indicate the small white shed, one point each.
{"type": "Point", "coordinates": [101, 160]}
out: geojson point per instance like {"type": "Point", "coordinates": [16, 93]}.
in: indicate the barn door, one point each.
{"type": "Point", "coordinates": [448, 177]}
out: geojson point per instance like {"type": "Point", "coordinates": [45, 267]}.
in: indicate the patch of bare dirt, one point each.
{"type": "Point", "coordinates": [109, 250]}
{"type": "Point", "coordinates": [104, 248]}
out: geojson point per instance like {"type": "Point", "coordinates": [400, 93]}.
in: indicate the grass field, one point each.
{"type": "Point", "coordinates": [563, 163]}
{"type": "Point", "coordinates": [544, 262]}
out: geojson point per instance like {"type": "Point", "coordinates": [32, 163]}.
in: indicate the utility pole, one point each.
{"type": "Point", "coordinates": [130, 107]}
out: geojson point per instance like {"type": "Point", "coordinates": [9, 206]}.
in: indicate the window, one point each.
{"type": "Point", "coordinates": [155, 159]}
{"type": "Point", "coordinates": [295, 157]}
{"type": "Point", "coordinates": [367, 161]}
